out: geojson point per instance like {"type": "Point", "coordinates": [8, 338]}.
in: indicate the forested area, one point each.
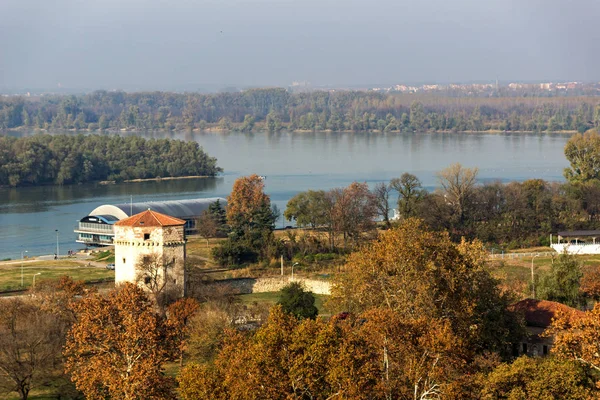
{"type": "Point", "coordinates": [415, 315]}
{"type": "Point", "coordinates": [69, 159]}
{"type": "Point", "coordinates": [276, 109]}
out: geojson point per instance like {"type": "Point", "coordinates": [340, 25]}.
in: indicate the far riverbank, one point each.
{"type": "Point", "coordinates": [260, 129]}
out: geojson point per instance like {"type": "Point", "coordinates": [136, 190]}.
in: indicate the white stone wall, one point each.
{"type": "Point", "coordinates": [263, 285]}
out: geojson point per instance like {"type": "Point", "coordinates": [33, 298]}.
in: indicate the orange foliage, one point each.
{"type": "Point", "coordinates": [376, 355]}
{"type": "Point", "coordinates": [247, 196]}
{"type": "Point", "coordinates": [577, 337]}
{"type": "Point", "coordinates": [420, 273]}
{"type": "Point", "coordinates": [590, 282]}
{"type": "Point", "coordinates": [117, 346]}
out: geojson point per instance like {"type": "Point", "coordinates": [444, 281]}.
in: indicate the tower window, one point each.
{"type": "Point", "coordinates": [146, 236]}
{"type": "Point", "coordinates": [123, 260]}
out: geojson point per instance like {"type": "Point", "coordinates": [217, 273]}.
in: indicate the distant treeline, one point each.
{"type": "Point", "coordinates": [67, 159]}
{"type": "Point", "coordinates": [276, 109]}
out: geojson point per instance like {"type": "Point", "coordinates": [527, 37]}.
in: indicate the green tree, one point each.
{"type": "Point", "coordinates": [417, 116]}
{"type": "Point", "coordinates": [410, 194]}
{"type": "Point", "coordinates": [248, 123]}
{"type": "Point", "coordinates": [273, 122]}
{"type": "Point", "coordinates": [294, 300]}
{"type": "Point", "coordinates": [307, 209]}
{"type": "Point", "coordinates": [103, 122]}
{"type": "Point", "coordinates": [561, 283]}
{"type": "Point", "coordinates": [583, 153]}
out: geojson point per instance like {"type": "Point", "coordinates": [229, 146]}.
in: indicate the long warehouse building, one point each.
{"type": "Point", "coordinates": [96, 229]}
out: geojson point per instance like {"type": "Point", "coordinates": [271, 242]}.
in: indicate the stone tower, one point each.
{"type": "Point", "coordinates": [150, 250]}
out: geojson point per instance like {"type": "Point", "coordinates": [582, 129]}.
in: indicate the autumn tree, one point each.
{"type": "Point", "coordinates": [590, 282]}
{"type": "Point", "coordinates": [248, 205]}
{"type": "Point", "coordinates": [30, 346]}
{"type": "Point", "coordinates": [57, 296]}
{"type": "Point", "coordinates": [420, 356]}
{"type": "Point", "coordinates": [421, 273]}
{"type": "Point", "coordinates": [206, 225]}
{"type": "Point", "coordinates": [377, 355]}
{"type": "Point", "coordinates": [577, 337]}
{"type": "Point", "coordinates": [206, 332]}
{"type": "Point", "coordinates": [537, 378]}
{"type": "Point", "coordinates": [118, 345]}
{"type": "Point", "coordinates": [180, 315]}
{"type": "Point", "coordinates": [582, 152]}
{"type": "Point", "coordinates": [353, 211]}
{"type": "Point", "coordinates": [252, 221]}
{"type": "Point", "coordinates": [201, 382]}
{"type": "Point", "coordinates": [410, 194]}
{"type": "Point", "coordinates": [457, 185]}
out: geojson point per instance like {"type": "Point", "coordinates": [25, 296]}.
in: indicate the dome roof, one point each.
{"type": "Point", "coordinates": [183, 209]}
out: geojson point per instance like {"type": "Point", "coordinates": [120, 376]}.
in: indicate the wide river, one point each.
{"type": "Point", "coordinates": [291, 162]}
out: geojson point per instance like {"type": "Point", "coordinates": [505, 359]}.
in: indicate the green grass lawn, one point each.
{"type": "Point", "coordinates": [10, 276]}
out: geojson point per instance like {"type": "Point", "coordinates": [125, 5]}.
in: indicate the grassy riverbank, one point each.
{"type": "Point", "coordinates": [10, 274]}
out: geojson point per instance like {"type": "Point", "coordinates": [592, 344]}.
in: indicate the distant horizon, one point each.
{"type": "Point", "coordinates": [220, 88]}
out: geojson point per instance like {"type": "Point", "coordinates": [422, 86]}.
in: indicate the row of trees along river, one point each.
{"type": "Point", "coordinates": [70, 159]}
{"type": "Point", "coordinates": [276, 109]}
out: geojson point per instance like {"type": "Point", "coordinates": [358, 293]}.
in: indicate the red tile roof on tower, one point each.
{"type": "Point", "coordinates": [150, 218]}
{"type": "Point", "coordinates": [541, 312]}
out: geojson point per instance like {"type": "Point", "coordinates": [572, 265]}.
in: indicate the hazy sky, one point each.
{"type": "Point", "coordinates": [184, 44]}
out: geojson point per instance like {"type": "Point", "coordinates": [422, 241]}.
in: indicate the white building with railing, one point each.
{"type": "Point", "coordinates": [577, 242]}
{"type": "Point", "coordinates": [97, 228]}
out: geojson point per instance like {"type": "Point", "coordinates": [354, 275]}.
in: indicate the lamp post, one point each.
{"type": "Point", "coordinates": [56, 230]}
{"type": "Point", "coordinates": [34, 275]}
{"type": "Point", "coordinates": [22, 251]}
{"type": "Point", "coordinates": [532, 280]}
{"type": "Point", "coordinates": [293, 265]}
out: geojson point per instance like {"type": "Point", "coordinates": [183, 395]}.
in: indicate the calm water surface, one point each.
{"type": "Point", "coordinates": [292, 162]}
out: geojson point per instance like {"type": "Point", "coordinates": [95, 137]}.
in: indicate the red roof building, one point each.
{"type": "Point", "coordinates": [150, 218]}
{"type": "Point", "coordinates": [538, 316]}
